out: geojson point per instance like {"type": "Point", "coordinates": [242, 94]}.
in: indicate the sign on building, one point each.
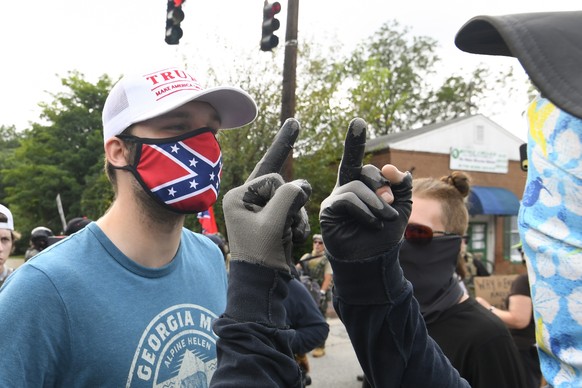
{"type": "Point", "coordinates": [478, 159]}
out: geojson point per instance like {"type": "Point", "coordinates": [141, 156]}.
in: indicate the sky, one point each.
{"type": "Point", "coordinates": [45, 39]}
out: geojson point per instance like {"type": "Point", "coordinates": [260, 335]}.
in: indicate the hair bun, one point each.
{"type": "Point", "coordinates": [460, 181]}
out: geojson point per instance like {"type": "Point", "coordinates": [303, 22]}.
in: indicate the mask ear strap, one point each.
{"type": "Point", "coordinates": [125, 168]}
{"type": "Point", "coordinates": [132, 167]}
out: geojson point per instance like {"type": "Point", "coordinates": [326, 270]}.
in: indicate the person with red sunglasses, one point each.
{"type": "Point", "coordinates": [478, 344]}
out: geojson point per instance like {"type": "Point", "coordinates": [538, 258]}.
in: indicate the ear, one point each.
{"type": "Point", "coordinates": [116, 152]}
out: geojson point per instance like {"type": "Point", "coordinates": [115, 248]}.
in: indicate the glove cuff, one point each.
{"type": "Point", "coordinates": [375, 280]}
{"type": "Point", "coordinates": [256, 293]}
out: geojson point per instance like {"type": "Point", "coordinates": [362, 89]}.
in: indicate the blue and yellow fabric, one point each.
{"type": "Point", "coordinates": [550, 223]}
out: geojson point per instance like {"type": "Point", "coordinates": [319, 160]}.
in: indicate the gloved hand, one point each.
{"type": "Point", "coordinates": [265, 216]}
{"type": "Point", "coordinates": [367, 211]}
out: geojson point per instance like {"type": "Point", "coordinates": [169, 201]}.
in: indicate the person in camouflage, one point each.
{"type": "Point", "coordinates": [317, 267]}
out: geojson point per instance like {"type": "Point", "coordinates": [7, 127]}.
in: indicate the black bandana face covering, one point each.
{"type": "Point", "coordinates": [431, 268]}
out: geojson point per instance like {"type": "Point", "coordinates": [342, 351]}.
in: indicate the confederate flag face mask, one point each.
{"type": "Point", "coordinates": [181, 173]}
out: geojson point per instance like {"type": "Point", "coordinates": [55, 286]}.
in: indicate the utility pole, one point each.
{"type": "Point", "coordinates": [289, 76]}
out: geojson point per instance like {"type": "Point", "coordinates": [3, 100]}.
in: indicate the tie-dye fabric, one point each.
{"type": "Point", "coordinates": [550, 223]}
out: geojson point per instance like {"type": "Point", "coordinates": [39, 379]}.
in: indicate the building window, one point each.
{"type": "Point", "coordinates": [479, 134]}
{"type": "Point", "coordinates": [477, 243]}
{"type": "Point", "coordinates": [511, 240]}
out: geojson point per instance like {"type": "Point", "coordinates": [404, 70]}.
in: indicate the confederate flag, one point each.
{"type": "Point", "coordinates": [207, 221]}
{"type": "Point", "coordinates": [192, 170]}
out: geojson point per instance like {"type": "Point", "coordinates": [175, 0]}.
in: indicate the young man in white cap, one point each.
{"type": "Point", "coordinates": [547, 44]}
{"type": "Point", "coordinates": [7, 238]}
{"type": "Point", "coordinates": [130, 300]}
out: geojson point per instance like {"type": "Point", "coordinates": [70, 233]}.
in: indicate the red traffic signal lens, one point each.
{"type": "Point", "coordinates": [276, 7]}
{"type": "Point", "coordinates": [271, 10]}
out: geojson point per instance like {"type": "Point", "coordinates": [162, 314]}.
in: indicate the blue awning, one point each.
{"type": "Point", "coordinates": [492, 200]}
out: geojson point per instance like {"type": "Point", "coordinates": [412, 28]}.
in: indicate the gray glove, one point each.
{"type": "Point", "coordinates": [355, 222]}
{"type": "Point", "coordinates": [265, 216]}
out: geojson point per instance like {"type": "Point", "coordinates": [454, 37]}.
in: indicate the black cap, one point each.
{"type": "Point", "coordinates": [547, 44]}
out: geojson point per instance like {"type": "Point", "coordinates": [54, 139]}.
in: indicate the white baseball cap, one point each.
{"type": "Point", "coordinates": [139, 97]}
{"type": "Point", "coordinates": [9, 224]}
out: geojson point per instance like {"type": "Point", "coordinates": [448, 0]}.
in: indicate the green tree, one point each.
{"type": "Point", "coordinates": [62, 157]}
{"type": "Point", "coordinates": [9, 138]}
{"type": "Point", "coordinates": [9, 142]}
{"type": "Point", "coordinates": [392, 84]}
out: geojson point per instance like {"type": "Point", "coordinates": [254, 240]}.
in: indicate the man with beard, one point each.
{"type": "Point", "coordinates": [130, 300]}
{"type": "Point", "coordinates": [134, 299]}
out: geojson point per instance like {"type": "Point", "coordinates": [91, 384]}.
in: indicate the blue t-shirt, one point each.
{"type": "Point", "coordinates": [81, 313]}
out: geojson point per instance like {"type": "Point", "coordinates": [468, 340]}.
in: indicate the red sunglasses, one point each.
{"type": "Point", "coordinates": [422, 235]}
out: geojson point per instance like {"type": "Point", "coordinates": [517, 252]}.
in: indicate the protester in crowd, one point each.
{"type": "Point", "coordinates": [264, 218]}
{"type": "Point", "coordinates": [362, 223]}
{"type": "Point", "coordinates": [478, 345]}
{"type": "Point", "coordinates": [547, 46]}
{"type": "Point", "coordinates": [468, 267]}
{"type": "Point", "coordinates": [316, 266]}
{"type": "Point", "coordinates": [39, 240]}
{"type": "Point", "coordinates": [8, 236]}
{"type": "Point", "coordinates": [129, 300]}
{"type": "Point", "coordinates": [304, 316]}
{"type": "Point", "coordinates": [375, 302]}
{"type": "Point", "coordinates": [518, 317]}
{"type": "Point", "coordinates": [137, 261]}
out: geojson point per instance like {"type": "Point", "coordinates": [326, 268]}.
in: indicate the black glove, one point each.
{"type": "Point", "coordinates": [265, 216]}
{"type": "Point", "coordinates": [356, 223]}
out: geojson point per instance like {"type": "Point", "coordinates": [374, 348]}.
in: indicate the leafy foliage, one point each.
{"type": "Point", "coordinates": [9, 142]}
{"type": "Point", "coordinates": [61, 157]}
{"type": "Point", "coordinates": [392, 84]}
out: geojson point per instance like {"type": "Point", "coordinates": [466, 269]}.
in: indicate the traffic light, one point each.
{"type": "Point", "coordinates": [174, 17]}
{"type": "Point", "coordinates": [270, 25]}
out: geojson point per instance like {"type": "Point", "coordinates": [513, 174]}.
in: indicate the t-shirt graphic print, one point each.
{"type": "Point", "coordinates": [177, 349]}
